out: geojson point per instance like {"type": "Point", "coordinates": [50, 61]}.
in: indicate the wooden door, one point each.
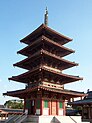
{"type": "Point", "coordinates": [53, 108]}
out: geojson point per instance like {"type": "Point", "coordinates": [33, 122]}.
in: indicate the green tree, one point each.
{"type": "Point", "coordinates": [14, 104]}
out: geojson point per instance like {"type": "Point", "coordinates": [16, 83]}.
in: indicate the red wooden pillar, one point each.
{"type": "Point", "coordinates": [41, 107]}
{"type": "Point", "coordinates": [56, 107]}
{"type": "Point", "coordinates": [49, 107]}
{"type": "Point", "coordinates": [64, 108]}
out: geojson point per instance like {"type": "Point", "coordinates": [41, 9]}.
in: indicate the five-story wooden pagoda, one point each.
{"type": "Point", "coordinates": [45, 93]}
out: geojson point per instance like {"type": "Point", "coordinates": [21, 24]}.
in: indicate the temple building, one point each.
{"type": "Point", "coordinates": [86, 106]}
{"type": "Point", "coordinates": [44, 93]}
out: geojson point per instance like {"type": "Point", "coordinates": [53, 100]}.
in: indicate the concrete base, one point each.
{"type": "Point", "coordinates": [53, 119]}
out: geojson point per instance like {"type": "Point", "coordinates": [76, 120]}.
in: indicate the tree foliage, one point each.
{"type": "Point", "coordinates": [14, 104]}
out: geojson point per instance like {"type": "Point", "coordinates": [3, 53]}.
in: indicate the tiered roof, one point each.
{"type": "Point", "coordinates": [44, 62]}
{"type": "Point", "coordinates": [47, 42]}
{"type": "Point", "coordinates": [42, 72]}
{"type": "Point", "coordinates": [47, 58]}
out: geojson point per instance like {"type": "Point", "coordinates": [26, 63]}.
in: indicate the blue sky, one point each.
{"type": "Point", "coordinates": [72, 18]}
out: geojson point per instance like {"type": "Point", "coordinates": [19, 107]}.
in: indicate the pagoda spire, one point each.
{"type": "Point", "coordinates": [46, 17]}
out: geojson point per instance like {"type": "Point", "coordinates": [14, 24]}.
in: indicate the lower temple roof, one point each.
{"type": "Point", "coordinates": [27, 91]}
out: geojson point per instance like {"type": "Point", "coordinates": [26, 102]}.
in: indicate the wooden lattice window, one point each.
{"type": "Point", "coordinates": [38, 104]}
{"type": "Point", "coordinates": [60, 105]}
{"type": "Point", "coordinates": [45, 103]}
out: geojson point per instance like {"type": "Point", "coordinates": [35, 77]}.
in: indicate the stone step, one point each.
{"type": "Point", "coordinates": [29, 122]}
{"type": "Point", "coordinates": [53, 119]}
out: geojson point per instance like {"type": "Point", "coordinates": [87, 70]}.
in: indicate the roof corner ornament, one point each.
{"type": "Point", "coordinates": [46, 17]}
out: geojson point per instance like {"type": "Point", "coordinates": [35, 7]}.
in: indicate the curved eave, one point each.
{"type": "Point", "coordinates": [24, 50]}
{"type": "Point", "coordinates": [81, 102]}
{"type": "Point", "coordinates": [65, 63]}
{"type": "Point", "coordinates": [26, 92]}
{"type": "Point", "coordinates": [44, 39]}
{"type": "Point", "coordinates": [49, 30]}
{"type": "Point", "coordinates": [57, 44]}
{"type": "Point", "coordinates": [26, 77]}
{"type": "Point", "coordinates": [60, 59]}
{"type": "Point", "coordinates": [33, 57]}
